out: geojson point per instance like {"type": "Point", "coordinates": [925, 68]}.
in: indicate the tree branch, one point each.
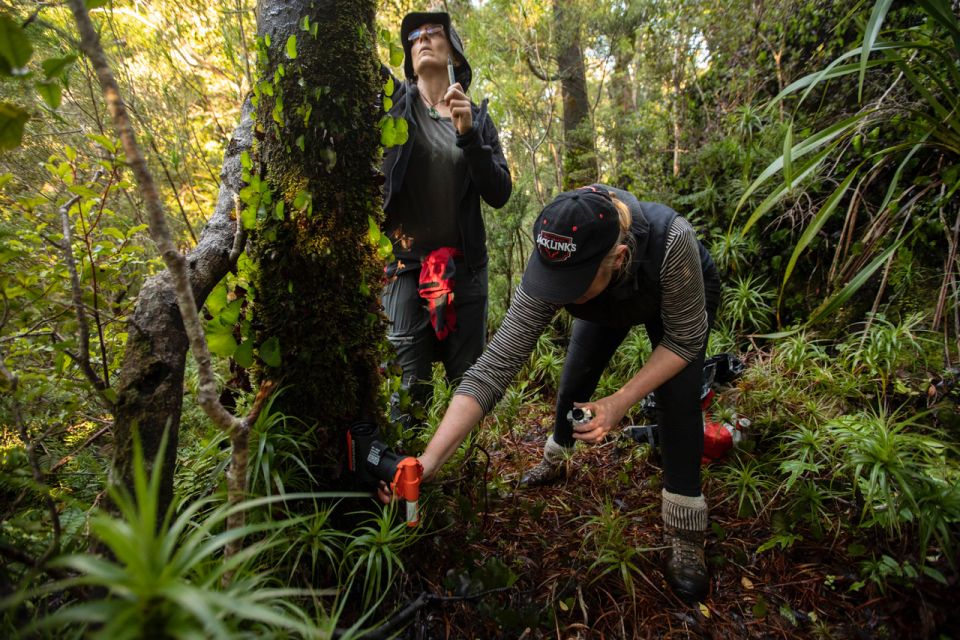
{"type": "Point", "coordinates": [83, 356]}
{"type": "Point", "coordinates": [540, 72]}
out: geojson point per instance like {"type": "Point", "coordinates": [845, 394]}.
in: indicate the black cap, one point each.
{"type": "Point", "coordinates": [572, 235]}
{"type": "Point", "coordinates": [411, 21]}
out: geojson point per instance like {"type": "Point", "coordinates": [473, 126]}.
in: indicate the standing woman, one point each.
{"type": "Point", "coordinates": [436, 294]}
{"type": "Point", "coordinates": [612, 262]}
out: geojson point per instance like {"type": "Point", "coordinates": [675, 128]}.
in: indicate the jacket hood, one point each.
{"type": "Point", "coordinates": [411, 21]}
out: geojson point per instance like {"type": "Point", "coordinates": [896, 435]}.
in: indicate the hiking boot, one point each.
{"type": "Point", "coordinates": [543, 473]}
{"type": "Point", "coordinates": [551, 468]}
{"type": "Point", "coordinates": [684, 566]}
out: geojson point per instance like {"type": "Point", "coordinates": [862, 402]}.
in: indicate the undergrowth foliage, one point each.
{"type": "Point", "coordinates": [164, 573]}
{"type": "Point", "coordinates": [846, 446]}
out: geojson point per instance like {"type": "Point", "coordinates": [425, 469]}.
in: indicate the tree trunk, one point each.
{"type": "Point", "coordinates": [622, 97]}
{"type": "Point", "coordinates": [318, 276]}
{"type": "Point", "coordinates": [150, 386]}
{"type": "Point", "coordinates": [579, 153]}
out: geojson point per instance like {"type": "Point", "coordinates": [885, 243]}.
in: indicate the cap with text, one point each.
{"type": "Point", "coordinates": [572, 235]}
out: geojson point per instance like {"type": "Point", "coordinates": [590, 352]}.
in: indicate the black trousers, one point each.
{"type": "Point", "coordinates": [678, 399]}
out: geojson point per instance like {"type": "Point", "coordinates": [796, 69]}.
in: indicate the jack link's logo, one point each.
{"type": "Point", "coordinates": [555, 248]}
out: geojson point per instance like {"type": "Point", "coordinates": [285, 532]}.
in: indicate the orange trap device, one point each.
{"type": "Point", "coordinates": [372, 460]}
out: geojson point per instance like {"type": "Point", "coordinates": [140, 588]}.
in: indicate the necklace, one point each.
{"type": "Point", "coordinates": [431, 108]}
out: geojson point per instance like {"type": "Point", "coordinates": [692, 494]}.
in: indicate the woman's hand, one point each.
{"type": "Point", "coordinates": [607, 414]}
{"type": "Point", "coordinates": [460, 110]}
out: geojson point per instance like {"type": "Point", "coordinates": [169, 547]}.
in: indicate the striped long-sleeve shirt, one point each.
{"type": "Point", "coordinates": [683, 314]}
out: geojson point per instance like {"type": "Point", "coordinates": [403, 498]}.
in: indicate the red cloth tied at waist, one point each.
{"type": "Point", "coordinates": [437, 273]}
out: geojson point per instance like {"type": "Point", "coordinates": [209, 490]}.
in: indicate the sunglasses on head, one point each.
{"type": "Point", "coordinates": [428, 31]}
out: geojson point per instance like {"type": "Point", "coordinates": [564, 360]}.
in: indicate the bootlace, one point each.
{"type": "Point", "coordinates": [686, 552]}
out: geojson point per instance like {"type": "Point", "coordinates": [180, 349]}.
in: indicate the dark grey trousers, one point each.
{"type": "Point", "coordinates": [414, 340]}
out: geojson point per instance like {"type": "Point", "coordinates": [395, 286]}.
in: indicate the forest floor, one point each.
{"type": "Point", "coordinates": [540, 556]}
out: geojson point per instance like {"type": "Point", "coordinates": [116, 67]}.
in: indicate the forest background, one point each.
{"type": "Point", "coordinates": [815, 147]}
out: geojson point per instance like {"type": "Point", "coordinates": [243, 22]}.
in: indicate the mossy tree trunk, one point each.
{"type": "Point", "coordinates": [318, 277]}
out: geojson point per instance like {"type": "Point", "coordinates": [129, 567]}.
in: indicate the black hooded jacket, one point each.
{"type": "Point", "coordinates": [488, 175]}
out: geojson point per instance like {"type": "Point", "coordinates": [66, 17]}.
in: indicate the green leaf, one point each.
{"type": "Point", "coordinates": [4, 179]}
{"type": "Point", "coordinates": [230, 313]}
{"type": "Point", "coordinates": [892, 185]}
{"type": "Point", "coordinates": [788, 613]}
{"type": "Point", "coordinates": [270, 352]}
{"type": "Point", "coordinates": [393, 131]}
{"type": "Point", "coordinates": [249, 217]}
{"type": "Point", "coordinates": [869, 37]}
{"type": "Point", "coordinates": [278, 210]}
{"type": "Point", "coordinates": [936, 575]}
{"type": "Point", "coordinates": [329, 157]}
{"type": "Point", "coordinates": [301, 200]}
{"type": "Point", "coordinates": [96, 4]}
{"type": "Point", "coordinates": [787, 156]}
{"type": "Point", "coordinates": [221, 344]}
{"type": "Point", "coordinates": [103, 141]}
{"type": "Point", "coordinates": [57, 67]}
{"type": "Point", "coordinates": [50, 92]}
{"type": "Point", "coordinates": [115, 233]}
{"type": "Point", "coordinates": [12, 121]}
{"type": "Point", "coordinates": [388, 86]}
{"type": "Point", "coordinates": [15, 48]}
{"type": "Point", "coordinates": [402, 131]}
{"type": "Point", "coordinates": [388, 133]}
{"type": "Point", "coordinates": [292, 47]}
{"type": "Point", "coordinates": [217, 299]}
{"type": "Point", "coordinates": [781, 190]}
{"type": "Point", "coordinates": [373, 231]}
{"type": "Point", "coordinates": [799, 150]}
{"type": "Point", "coordinates": [760, 608]}
{"type": "Point", "coordinates": [243, 356]}
{"type": "Point", "coordinates": [942, 13]}
{"type": "Point", "coordinates": [245, 161]}
{"type": "Point", "coordinates": [396, 55]}
{"type": "Point", "coordinates": [833, 70]}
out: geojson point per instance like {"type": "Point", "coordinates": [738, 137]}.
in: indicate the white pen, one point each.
{"type": "Point", "coordinates": [450, 73]}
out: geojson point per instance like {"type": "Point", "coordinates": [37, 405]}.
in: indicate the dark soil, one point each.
{"type": "Point", "coordinates": [528, 554]}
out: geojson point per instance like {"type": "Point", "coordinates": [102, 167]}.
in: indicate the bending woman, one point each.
{"type": "Point", "coordinates": [612, 262]}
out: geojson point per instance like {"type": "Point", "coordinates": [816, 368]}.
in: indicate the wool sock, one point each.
{"type": "Point", "coordinates": [555, 453]}
{"type": "Point", "coordinates": [684, 512]}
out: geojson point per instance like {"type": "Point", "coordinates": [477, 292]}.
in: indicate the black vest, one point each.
{"type": "Point", "coordinates": [635, 297]}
